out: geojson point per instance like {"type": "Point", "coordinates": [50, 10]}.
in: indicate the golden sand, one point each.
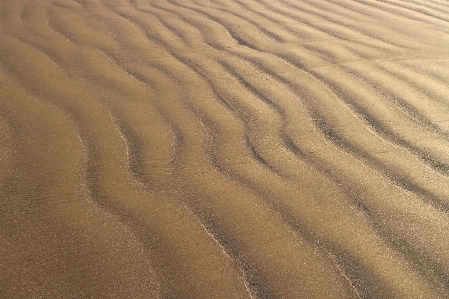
{"type": "Point", "coordinates": [224, 149]}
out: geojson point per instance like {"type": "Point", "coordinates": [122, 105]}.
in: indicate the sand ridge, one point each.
{"type": "Point", "coordinates": [224, 149]}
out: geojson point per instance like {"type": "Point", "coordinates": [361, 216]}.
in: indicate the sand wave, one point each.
{"type": "Point", "coordinates": [224, 149]}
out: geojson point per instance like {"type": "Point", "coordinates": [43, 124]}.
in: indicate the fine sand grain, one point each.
{"type": "Point", "coordinates": [224, 149]}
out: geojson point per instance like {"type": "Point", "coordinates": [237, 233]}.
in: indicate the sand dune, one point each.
{"type": "Point", "coordinates": [224, 149]}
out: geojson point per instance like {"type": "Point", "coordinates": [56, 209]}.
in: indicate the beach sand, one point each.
{"type": "Point", "coordinates": [224, 149]}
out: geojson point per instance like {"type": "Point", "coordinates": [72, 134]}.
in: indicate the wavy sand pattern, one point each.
{"type": "Point", "coordinates": [224, 149]}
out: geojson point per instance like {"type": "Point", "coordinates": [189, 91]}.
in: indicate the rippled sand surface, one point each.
{"type": "Point", "coordinates": [224, 149]}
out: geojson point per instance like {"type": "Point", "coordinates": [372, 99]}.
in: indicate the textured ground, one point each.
{"type": "Point", "coordinates": [224, 149]}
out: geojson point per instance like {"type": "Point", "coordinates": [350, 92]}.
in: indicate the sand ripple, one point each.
{"type": "Point", "coordinates": [224, 149]}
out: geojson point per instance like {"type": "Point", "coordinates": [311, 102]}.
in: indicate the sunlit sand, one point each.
{"type": "Point", "coordinates": [224, 149]}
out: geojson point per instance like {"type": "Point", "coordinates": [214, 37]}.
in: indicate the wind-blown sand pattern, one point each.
{"type": "Point", "coordinates": [224, 149]}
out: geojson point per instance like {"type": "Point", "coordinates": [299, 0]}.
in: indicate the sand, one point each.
{"type": "Point", "coordinates": [224, 149]}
